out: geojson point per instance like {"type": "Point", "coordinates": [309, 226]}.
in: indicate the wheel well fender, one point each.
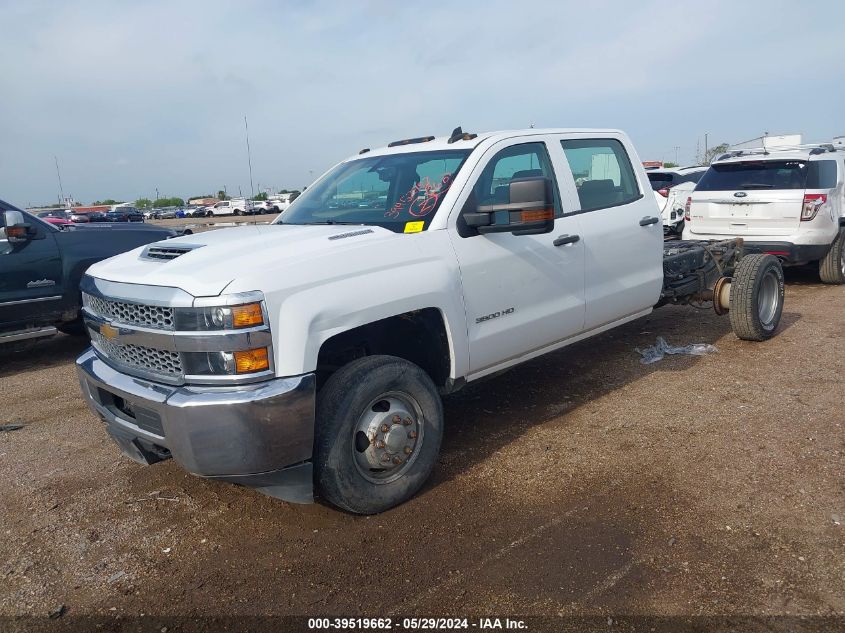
{"type": "Point", "coordinates": [419, 336]}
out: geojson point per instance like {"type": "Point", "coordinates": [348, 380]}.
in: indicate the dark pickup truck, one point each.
{"type": "Point", "coordinates": [41, 266]}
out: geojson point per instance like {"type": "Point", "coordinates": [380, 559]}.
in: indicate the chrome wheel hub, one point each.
{"type": "Point", "coordinates": [767, 302]}
{"type": "Point", "coordinates": [387, 437]}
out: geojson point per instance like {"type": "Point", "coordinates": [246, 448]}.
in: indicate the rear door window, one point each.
{"type": "Point", "coordinates": [821, 174]}
{"type": "Point", "coordinates": [603, 173]}
{"type": "Point", "coordinates": [754, 175]}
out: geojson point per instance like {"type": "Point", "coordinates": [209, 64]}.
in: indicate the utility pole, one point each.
{"type": "Point", "coordinates": [249, 156]}
{"type": "Point", "coordinates": [677, 147]}
{"type": "Point", "coordinates": [705, 146]}
{"type": "Point", "coordinates": [59, 175]}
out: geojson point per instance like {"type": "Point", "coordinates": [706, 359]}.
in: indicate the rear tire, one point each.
{"type": "Point", "coordinates": [756, 301]}
{"type": "Point", "coordinates": [379, 428]}
{"type": "Point", "coordinates": [832, 267]}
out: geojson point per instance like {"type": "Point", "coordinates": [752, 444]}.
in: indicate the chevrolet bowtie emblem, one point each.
{"type": "Point", "coordinates": [109, 331]}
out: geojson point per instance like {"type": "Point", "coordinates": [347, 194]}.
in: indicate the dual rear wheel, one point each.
{"type": "Point", "coordinates": [756, 300]}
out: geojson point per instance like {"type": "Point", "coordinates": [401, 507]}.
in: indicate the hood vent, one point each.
{"type": "Point", "coordinates": [159, 252]}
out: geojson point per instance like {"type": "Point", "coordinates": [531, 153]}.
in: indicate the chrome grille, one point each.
{"type": "Point", "coordinates": [159, 317]}
{"type": "Point", "coordinates": [157, 361]}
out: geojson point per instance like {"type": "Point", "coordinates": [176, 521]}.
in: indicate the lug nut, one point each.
{"type": "Point", "coordinates": [380, 444]}
{"type": "Point", "coordinates": [386, 458]}
{"type": "Point", "coordinates": [407, 422]}
{"type": "Point", "coordinates": [412, 435]}
{"type": "Point", "coordinates": [397, 461]}
{"type": "Point", "coordinates": [384, 428]}
{"type": "Point", "coordinates": [407, 450]}
{"type": "Point", "coordinates": [396, 419]}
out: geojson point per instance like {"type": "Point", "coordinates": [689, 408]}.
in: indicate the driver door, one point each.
{"type": "Point", "coordinates": [30, 276]}
{"type": "Point", "coordinates": [522, 293]}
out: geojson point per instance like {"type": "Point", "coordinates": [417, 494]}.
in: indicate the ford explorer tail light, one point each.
{"type": "Point", "coordinates": [664, 191]}
{"type": "Point", "coordinates": [687, 208]}
{"type": "Point", "coordinates": [812, 203]}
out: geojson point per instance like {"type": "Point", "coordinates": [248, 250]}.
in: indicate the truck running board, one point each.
{"type": "Point", "coordinates": [22, 335]}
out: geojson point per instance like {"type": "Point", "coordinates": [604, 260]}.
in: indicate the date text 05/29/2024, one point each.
{"type": "Point", "coordinates": [423, 624]}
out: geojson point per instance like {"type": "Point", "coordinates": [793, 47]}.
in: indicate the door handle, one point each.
{"type": "Point", "coordinates": [566, 239]}
{"type": "Point", "coordinates": [648, 220]}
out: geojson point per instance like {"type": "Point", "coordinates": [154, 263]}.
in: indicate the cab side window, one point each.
{"type": "Point", "coordinates": [517, 161]}
{"type": "Point", "coordinates": [603, 173]}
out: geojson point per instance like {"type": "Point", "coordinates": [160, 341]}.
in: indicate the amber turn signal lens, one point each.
{"type": "Point", "coordinates": [251, 361]}
{"type": "Point", "coordinates": [536, 216]}
{"type": "Point", "coordinates": [247, 315]}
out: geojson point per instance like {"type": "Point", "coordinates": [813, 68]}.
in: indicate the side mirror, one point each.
{"type": "Point", "coordinates": [16, 230]}
{"type": "Point", "coordinates": [529, 210]}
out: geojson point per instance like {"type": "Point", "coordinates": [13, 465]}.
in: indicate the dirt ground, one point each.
{"type": "Point", "coordinates": [581, 483]}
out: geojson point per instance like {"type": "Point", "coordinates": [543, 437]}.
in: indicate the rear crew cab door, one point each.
{"type": "Point", "coordinates": [620, 227]}
{"type": "Point", "coordinates": [522, 293]}
{"type": "Point", "coordinates": [750, 198]}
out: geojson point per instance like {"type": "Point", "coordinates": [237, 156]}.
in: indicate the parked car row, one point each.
{"type": "Point", "coordinates": [63, 217]}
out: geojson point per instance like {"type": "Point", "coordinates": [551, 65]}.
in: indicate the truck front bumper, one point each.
{"type": "Point", "coordinates": [259, 435]}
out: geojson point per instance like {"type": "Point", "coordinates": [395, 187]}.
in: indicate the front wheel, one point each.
{"type": "Point", "coordinates": [832, 267]}
{"type": "Point", "coordinates": [756, 301]}
{"type": "Point", "coordinates": [379, 428]}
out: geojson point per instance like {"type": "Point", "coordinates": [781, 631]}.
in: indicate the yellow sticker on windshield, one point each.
{"type": "Point", "coordinates": [414, 227]}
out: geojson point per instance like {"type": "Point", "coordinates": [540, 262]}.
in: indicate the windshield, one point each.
{"type": "Point", "coordinates": [769, 174]}
{"type": "Point", "coordinates": [400, 192]}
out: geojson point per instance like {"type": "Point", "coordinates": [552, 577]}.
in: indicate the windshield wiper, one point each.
{"type": "Point", "coordinates": [756, 185]}
{"type": "Point", "coordinates": [331, 222]}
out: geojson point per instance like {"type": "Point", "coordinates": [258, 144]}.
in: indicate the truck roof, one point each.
{"type": "Point", "coordinates": [439, 143]}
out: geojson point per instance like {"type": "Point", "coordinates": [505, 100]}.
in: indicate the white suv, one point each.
{"type": "Point", "coordinates": [671, 189]}
{"type": "Point", "coordinates": [787, 202]}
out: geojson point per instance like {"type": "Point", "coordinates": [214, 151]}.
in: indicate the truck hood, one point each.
{"type": "Point", "coordinates": [204, 264]}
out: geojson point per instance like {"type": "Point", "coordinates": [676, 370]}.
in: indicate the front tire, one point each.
{"type": "Point", "coordinates": [379, 428]}
{"type": "Point", "coordinates": [756, 301]}
{"type": "Point", "coordinates": [832, 267]}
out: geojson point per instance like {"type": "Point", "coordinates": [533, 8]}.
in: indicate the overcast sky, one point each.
{"type": "Point", "coordinates": [134, 96]}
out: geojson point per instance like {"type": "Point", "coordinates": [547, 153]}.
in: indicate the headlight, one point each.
{"type": "Point", "coordinates": [220, 317]}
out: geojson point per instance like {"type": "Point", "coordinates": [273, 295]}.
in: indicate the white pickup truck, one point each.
{"type": "Point", "coordinates": [311, 353]}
